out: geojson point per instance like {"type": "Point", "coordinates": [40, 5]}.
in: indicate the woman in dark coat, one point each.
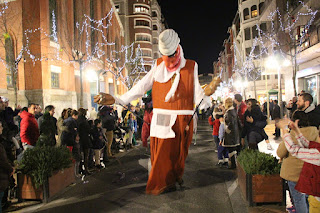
{"type": "Point", "coordinates": [84, 134]}
{"type": "Point", "coordinates": [6, 169]}
{"type": "Point", "coordinates": [232, 132]}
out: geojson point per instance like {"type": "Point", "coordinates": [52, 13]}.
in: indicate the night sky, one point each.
{"type": "Point", "coordinates": [202, 27]}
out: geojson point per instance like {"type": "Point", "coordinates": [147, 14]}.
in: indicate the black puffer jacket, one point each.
{"type": "Point", "coordinates": [5, 169]}
{"type": "Point", "coordinates": [84, 132]}
{"type": "Point", "coordinates": [232, 131]}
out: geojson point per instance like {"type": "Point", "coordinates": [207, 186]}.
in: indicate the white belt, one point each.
{"type": "Point", "coordinates": [163, 120]}
{"type": "Point", "coordinates": [171, 111]}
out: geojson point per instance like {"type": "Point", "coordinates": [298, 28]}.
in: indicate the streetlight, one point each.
{"type": "Point", "coordinates": [274, 62]}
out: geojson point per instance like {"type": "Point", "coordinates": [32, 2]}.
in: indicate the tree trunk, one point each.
{"type": "Point", "coordinates": [81, 84]}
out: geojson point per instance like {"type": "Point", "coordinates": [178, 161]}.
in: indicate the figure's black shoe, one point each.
{"type": "Point", "coordinates": [180, 182]}
{"type": "Point", "coordinates": [170, 189]}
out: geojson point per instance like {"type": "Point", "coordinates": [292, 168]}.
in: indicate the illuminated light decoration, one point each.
{"type": "Point", "coordinates": [88, 26]}
{"type": "Point", "coordinates": [269, 44]}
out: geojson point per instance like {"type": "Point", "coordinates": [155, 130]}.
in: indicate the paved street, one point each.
{"type": "Point", "coordinates": [120, 187]}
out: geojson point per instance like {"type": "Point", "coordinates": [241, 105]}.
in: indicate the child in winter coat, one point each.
{"type": "Point", "coordinates": [223, 154]}
{"type": "Point", "coordinates": [98, 142]}
{"type": "Point", "coordinates": [215, 122]}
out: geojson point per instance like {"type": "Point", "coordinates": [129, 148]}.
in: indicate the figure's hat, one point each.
{"type": "Point", "coordinates": [168, 42]}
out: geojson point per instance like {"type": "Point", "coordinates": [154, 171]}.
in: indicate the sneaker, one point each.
{"type": "Point", "coordinates": [269, 147]}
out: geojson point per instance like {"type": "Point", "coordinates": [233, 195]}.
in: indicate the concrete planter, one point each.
{"type": "Point", "coordinates": [261, 188]}
{"type": "Point", "coordinates": [57, 182]}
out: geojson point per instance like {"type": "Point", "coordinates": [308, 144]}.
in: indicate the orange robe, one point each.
{"type": "Point", "coordinates": [168, 155]}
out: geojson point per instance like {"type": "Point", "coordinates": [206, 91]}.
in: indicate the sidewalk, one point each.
{"type": "Point", "coordinates": [33, 205]}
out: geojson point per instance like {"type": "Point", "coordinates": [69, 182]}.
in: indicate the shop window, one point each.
{"type": "Point", "coordinates": [254, 11]}
{"type": "Point", "coordinates": [310, 85]}
{"type": "Point", "coordinates": [142, 23]}
{"type": "Point", "coordinates": [260, 7]}
{"type": "Point", "coordinates": [246, 14]}
{"type": "Point", "coordinates": [247, 35]}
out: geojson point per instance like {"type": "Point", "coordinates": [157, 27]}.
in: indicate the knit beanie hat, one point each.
{"type": "Point", "coordinates": [168, 42]}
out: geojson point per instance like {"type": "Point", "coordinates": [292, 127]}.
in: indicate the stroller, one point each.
{"type": "Point", "coordinates": [119, 145]}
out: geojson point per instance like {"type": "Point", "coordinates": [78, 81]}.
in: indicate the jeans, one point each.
{"type": "Point", "coordinates": [216, 140]}
{"type": "Point", "coordinates": [222, 153]}
{"type": "Point", "coordinates": [1, 195]}
{"type": "Point", "coordinates": [253, 139]}
{"type": "Point", "coordinates": [299, 199]}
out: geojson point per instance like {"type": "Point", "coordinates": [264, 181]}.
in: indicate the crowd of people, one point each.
{"type": "Point", "coordinates": [239, 124]}
{"type": "Point", "coordinates": [92, 137]}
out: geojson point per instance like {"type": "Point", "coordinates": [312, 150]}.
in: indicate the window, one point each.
{"type": "Point", "coordinates": [155, 55]}
{"type": "Point", "coordinates": [141, 9]}
{"type": "Point", "coordinates": [53, 20]}
{"type": "Point", "coordinates": [256, 52]}
{"type": "Point", "coordinates": [254, 11]}
{"type": "Point", "coordinates": [144, 52]}
{"type": "Point", "coordinates": [154, 14]}
{"type": "Point", "coordinates": [260, 7]}
{"type": "Point", "coordinates": [143, 37]}
{"type": "Point", "coordinates": [155, 41]}
{"type": "Point", "coordinates": [301, 32]}
{"type": "Point", "coordinates": [155, 27]}
{"type": "Point", "coordinates": [264, 77]}
{"type": "Point", "coordinates": [117, 8]}
{"type": "Point", "coordinates": [246, 14]}
{"type": "Point", "coordinates": [54, 80]}
{"type": "Point", "coordinates": [254, 32]}
{"type": "Point", "coordinates": [10, 59]}
{"type": "Point", "coordinates": [247, 35]}
{"type": "Point", "coordinates": [248, 50]}
{"type": "Point", "coordinates": [142, 23]}
{"type": "Point", "coordinates": [263, 27]}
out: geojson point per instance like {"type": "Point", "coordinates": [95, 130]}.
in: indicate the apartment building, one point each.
{"type": "Point", "coordinates": [143, 22]}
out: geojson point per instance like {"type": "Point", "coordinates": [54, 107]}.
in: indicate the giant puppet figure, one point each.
{"type": "Point", "coordinates": [175, 91]}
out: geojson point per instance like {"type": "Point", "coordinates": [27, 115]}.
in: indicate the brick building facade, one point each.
{"type": "Point", "coordinates": [48, 71]}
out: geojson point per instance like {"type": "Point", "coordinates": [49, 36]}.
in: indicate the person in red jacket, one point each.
{"type": "Point", "coordinates": [29, 130]}
{"type": "Point", "coordinates": [214, 121]}
{"type": "Point", "coordinates": [309, 152]}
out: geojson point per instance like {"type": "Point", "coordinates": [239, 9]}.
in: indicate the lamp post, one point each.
{"type": "Point", "coordinates": [274, 63]}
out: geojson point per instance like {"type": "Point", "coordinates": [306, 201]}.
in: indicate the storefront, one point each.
{"type": "Point", "coordinates": [309, 80]}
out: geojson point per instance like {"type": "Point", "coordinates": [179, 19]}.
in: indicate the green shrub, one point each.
{"type": "Point", "coordinates": [255, 162]}
{"type": "Point", "coordinates": [41, 161]}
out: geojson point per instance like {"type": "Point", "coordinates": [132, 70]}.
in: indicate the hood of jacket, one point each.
{"type": "Point", "coordinates": [26, 114]}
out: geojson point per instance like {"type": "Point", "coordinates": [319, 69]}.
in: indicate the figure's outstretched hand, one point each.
{"type": "Point", "coordinates": [187, 128]}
